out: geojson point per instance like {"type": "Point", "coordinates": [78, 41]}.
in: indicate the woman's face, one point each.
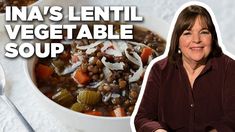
{"type": "Point", "coordinates": [195, 43]}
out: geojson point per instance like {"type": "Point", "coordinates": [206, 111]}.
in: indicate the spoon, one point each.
{"type": "Point", "coordinates": [8, 101]}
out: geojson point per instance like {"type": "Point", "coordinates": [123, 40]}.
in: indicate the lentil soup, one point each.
{"type": "Point", "coordinates": [99, 77]}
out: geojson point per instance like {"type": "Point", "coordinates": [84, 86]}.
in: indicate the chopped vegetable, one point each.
{"type": "Point", "coordinates": [79, 107]}
{"type": "Point", "coordinates": [81, 77]}
{"type": "Point", "coordinates": [118, 112]}
{"type": "Point", "coordinates": [63, 97]}
{"type": "Point", "coordinates": [145, 54]}
{"type": "Point", "coordinates": [95, 113]}
{"type": "Point", "coordinates": [43, 71]}
{"type": "Point", "coordinates": [89, 97]}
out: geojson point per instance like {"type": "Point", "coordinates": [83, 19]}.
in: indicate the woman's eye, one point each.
{"type": "Point", "coordinates": [186, 33]}
{"type": "Point", "coordinates": [205, 32]}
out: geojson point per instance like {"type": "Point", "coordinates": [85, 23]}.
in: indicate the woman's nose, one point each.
{"type": "Point", "coordinates": [196, 38]}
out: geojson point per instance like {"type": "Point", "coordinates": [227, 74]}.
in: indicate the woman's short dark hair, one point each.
{"type": "Point", "coordinates": [186, 20]}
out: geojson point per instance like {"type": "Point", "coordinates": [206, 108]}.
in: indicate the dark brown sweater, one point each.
{"type": "Point", "coordinates": [169, 102]}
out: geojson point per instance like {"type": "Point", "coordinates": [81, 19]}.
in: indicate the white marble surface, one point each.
{"type": "Point", "coordinates": [41, 120]}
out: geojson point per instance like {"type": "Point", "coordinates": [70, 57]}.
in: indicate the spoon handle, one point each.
{"type": "Point", "coordinates": [17, 112]}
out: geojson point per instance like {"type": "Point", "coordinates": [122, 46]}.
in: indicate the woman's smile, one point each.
{"type": "Point", "coordinates": [197, 48]}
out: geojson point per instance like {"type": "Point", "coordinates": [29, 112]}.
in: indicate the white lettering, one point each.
{"type": "Point", "coordinates": [11, 50]}
{"type": "Point", "coordinates": [87, 13]}
{"type": "Point", "coordinates": [12, 33]}
{"type": "Point", "coordinates": [84, 32]}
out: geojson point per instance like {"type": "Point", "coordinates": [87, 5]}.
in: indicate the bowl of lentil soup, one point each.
{"type": "Point", "coordinates": [97, 82]}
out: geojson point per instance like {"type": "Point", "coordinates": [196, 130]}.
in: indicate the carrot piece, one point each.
{"type": "Point", "coordinates": [43, 71]}
{"type": "Point", "coordinates": [145, 54]}
{"type": "Point", "coordinates": [81, 77]}
{"type": "Point", "coordinates": [95, 113]}
{"type": "Point", "coordinates": [118, 112]}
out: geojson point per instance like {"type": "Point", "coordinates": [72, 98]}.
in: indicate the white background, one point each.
{"type": "Point", "coordinates": [17, 86]}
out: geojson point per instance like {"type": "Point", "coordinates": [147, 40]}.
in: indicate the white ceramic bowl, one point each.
{"type": "Point", "coordinates": [83, 122]}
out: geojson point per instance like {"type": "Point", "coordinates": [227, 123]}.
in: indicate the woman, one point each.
{"type": "Point", "coordinates": [193, 89]}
